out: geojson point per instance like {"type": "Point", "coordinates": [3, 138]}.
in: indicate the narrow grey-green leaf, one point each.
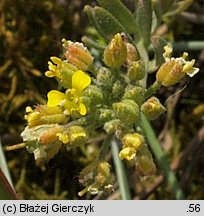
{"type": "Point", "coordinates": [121, 13]}
{"type": "Point", "coordinates": [107, 24]}
{"type": "Point", "coordinates": [91, 15]}
{"type": "Point", "coordinates": [144, 19]}
{"type": "Point", "coordinates": [157, 13]}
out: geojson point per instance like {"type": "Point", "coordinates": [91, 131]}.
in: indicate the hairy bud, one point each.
{"type": "Point", "coordinates": [152, 108]}
{"type": "Point", "coordinates": [116, 52]}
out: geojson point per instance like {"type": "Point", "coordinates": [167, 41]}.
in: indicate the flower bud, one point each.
{"type": "Point", "coordinates": [49, 136]}
{"type": "Point", "coordinates": [131, 144]}
{"type": "Point", "coordinates": [105, 115]}
{"type": "Point", "coordinates": [136, 70]}
{"type": "Point", "coordinates": [77, 55]}
{"type": "Point", "coordinates": [127, 111]}
{"type": "Point", "coordinates": [116, 52]}
{"type": "Point", "coordinates": [94, 96]}
{"type": "Point", "coordinates": [105, 80]}
{"type": "Point", "coordinates": [127, 153]}
{"type": "Point", "coordinates": [105, 77]}
{"type": "Point", "coordinates": [170, 73]}
{"type": "Point", "coordinates": [132, 53]}
{"type": "Point", "coordinates": [117, 90]}
{"type": "Point", "coordinates": [152, 108]}
{"type": "Point", "coordinates": [144, 162]}
{"type": "Point", "coordinates": [111, 126]}
{"type": "Point", "coordinates": [43, 114]}
{"type": "Point", "coordinates": [135, 93]}
{"type": "Point", "coordinates": [74, 135]}
{"type": "Point", "coordinates": [134, 140]}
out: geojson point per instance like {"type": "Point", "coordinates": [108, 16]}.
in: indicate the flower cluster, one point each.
{"type": "Point", "coordinates": [48, 125]}
{"type": "Point", "coordinates": [110, 99]}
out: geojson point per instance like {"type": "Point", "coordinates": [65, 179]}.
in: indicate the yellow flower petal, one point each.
{"type": "Point", "coordinates": [49, 74]}
{"type": "Point", "coordinates": [167, 52]}
{"type": "Point", "coordinates": [189, 69]}
{"type": "Point", "coordinates": [80, 80]}
{"type": "Point", "coordinates": [127, 153]}
{"type": "Point", "coordinates": [56, 60]}
{"type": "Point", "coordinates": [63, 137]}
{"type": "Point", "coordinates": [78, 134]}
{"type": "Point", "coordinates": [82, 109]}
{"type": "Point", "coordinates": [51, 66]}
{"type": "Point", "coordinates": [55, 97]}
{"type": "Point", "coordinates": [29, 109]}
{"type": "Point", "coordinates": [192, 72]}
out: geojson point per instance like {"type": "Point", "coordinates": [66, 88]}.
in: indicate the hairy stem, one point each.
{"type": "Point", "coordinates": [152, 89]}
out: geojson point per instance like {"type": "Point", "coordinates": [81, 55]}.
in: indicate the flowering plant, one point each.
{"type": "Point", "coordinates": [110, 96]}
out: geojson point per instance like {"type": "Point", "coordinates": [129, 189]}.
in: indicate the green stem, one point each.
{"type": "Point", "coordinates": [93, 70]}
{"type": "Point", "coordinates": [91, 43]}
{"type": "Point", "coordinates": [120, 171]}
{"type": "Point", "coordinates": [144, 56]}
{"type": "Point", "coordinates": [152, 89]}
{"type": "Point", "coordinates": [160, 156]}
{"type": "Point", "coordinates": [105, 147]}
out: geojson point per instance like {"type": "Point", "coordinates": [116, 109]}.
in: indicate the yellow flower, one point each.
{"type": "Point", "coordinates": [71, 100]}
{"type": "Point", "coordinates": [61, 70]}
{"type": "Point", "coordinates": [167, 52]}
{"type": "Point", "coordinates": [174, 69]}
{"type": "Point", "coordinates": [127, 153]}
{"type": "Point", "coordinates": [54, 68]}
{"type": "Point", "coordinates": [131, 144]}
{"type": "Point", "coordinates": [134, 140]}
{"type": "Point", "coordinates": [80, 81]}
